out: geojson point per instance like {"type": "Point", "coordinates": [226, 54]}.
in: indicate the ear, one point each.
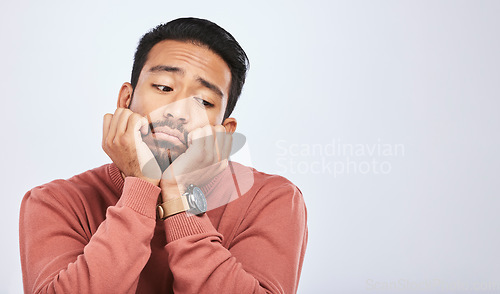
{"type": "Point", "coordinates": [230, 124]}
{"type": "Point", "coordinates": [125, 95]}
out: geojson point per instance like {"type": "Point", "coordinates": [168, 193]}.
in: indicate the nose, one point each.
{"type": "Point", "coordinates": [178, 111]}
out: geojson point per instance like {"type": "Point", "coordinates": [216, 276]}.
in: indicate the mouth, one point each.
{"type": "Point", "coordinates": [168, 134]}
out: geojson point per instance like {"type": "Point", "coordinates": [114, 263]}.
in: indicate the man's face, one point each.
{"type": "Point", "coordinates": [181, 87]}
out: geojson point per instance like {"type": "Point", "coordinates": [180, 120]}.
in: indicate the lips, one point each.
{"type": "Point", "coordinates": [166, 133]}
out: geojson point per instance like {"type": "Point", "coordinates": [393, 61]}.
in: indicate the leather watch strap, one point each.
{"type": "Point", "coordinates": [172, 207]}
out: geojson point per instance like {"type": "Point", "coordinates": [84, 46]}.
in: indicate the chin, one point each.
{"type": "Point", "coordinates": [167, 156]}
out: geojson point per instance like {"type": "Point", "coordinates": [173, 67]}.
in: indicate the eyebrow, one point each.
{"type": "Point", "coordinates": [160, 68]}
{"type": "Point", "coordinates": [178, 70]}
{"type": "Point", "coordinates": [210, 86]}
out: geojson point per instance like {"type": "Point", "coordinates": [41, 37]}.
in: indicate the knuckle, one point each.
{"type": "Point", "coordinates": [196, 134]}
{"type": "Point", "coordinates": [134, 119]}
{"type": "Point", "coordinates": [123, 140]}
{"type": "Point", "coordinates": [126, 113]}
{"type": "Point", "coordinates": [209, 157]}
{"type": "Point", "coordinates": [209, 129]}
{"type": "Point", "coordinates": [220, 129]}
{"type": "Point", "coordinates": [115, 142]}
{"type": "Point", "coordinates": [107, 145]}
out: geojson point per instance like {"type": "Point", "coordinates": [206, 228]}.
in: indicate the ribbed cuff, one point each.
{"type": "Point", "coordinates": [184, 224]}
{"type": "Point", "coordinates": [140, 195]}
{"type": "Point", "coordinates": [116, 177]}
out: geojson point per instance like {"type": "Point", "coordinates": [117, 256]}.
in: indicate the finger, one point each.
{"type": "Point", "coordinates": [228, 145]}
{"type": "Point", "coordinates": [195, 151]}
{"type": "Point", "coordinates": [210, 148]}
{"type": "Point", "coordinates": [138, 123]}
{"type": "Point", "coordinates": [135, 125]}
{"type": "Point", "coordinates": [195, 137]}
{"type": "Point", "coordinates": [147, 162]}
{"type": "Point", "coordinates": [145, 128]}
{"type": "Point", "coordinates": [123, 121]}
{"type": "Point", "coordinates": [106, 121]}
{"type": "Point", "coordinates": [114, 123]}
{"type": "Point", "coordinates": [223, 165]}
{"type": "Point", "coordinates": [220, 137]}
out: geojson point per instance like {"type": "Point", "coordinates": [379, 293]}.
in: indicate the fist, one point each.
{"type": "Point", "coordinates": [123, 143]}
{"type": "Point", "coordinates": [206, 156]}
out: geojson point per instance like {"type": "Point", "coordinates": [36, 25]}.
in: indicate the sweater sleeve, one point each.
{"type": "Point", "coordinates": [59, 256]}
{"type": "Point", "coordinates": [265, 255]}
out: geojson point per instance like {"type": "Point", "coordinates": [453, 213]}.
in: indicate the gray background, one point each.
{"type": "Point", "coordinates": [414, 79]}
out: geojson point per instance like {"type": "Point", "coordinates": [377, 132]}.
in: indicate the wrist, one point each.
{"type": "Point", "coordinates": [178, 199]}
{"type": "Point", "coordinates": [152, 181]}
{"type": "Point", "coordinates": [169, 192]}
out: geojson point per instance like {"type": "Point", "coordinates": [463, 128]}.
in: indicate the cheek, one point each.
{"type": "Point", "coordinates": [143, 106]}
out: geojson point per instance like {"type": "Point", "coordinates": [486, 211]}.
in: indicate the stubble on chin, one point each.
{"type": "Point", "coordinates": [164, 152]}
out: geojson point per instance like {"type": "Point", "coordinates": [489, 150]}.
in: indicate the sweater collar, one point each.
{"type": "Point", "coordinates": [117, 179]}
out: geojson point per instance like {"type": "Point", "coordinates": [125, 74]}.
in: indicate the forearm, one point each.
{"type": "Point", "coordinates": [200, 264]}
{"type": "Point", "coordinates": [58, 258]}
{"type": "Point", "coordinates": [264, 257]}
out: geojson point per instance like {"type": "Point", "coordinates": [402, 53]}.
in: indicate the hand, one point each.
{"type": "Point", "coordinates": [206, 156]}
{"type": "Point", "coordinates": [123, 143]}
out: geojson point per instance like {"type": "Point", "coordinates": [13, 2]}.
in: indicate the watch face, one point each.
{"type": "Point", "coordinates": [199, 200]}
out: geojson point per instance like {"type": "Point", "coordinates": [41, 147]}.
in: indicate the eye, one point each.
{"type": "Point", "coordinates": [163, 88]}
{"type": "Point", "coordinates": [205, 103]}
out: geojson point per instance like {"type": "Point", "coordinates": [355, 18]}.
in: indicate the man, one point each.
{"type": "Point", "coordinates": [171, 213]}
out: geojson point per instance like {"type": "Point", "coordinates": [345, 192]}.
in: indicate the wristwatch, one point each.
{"type": "Point", "coordinates": [192, 201]}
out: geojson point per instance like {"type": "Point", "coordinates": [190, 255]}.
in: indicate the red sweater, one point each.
{"type": "Point", "coordinates": [98, 233]}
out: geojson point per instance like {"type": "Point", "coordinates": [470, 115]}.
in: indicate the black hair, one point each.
{"type": "Point", "coordinates": [204, 33]}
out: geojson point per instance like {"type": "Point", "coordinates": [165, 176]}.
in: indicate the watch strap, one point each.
{"type": "Point", "coordinates": [173, 206]}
